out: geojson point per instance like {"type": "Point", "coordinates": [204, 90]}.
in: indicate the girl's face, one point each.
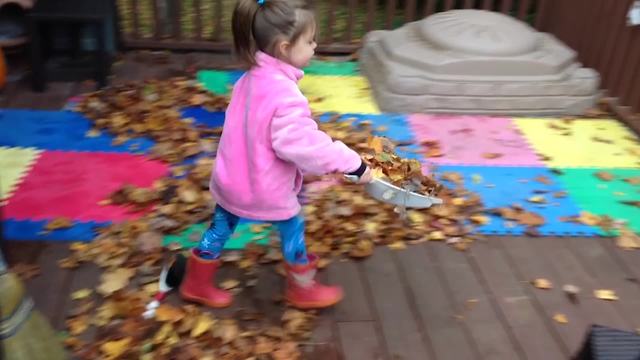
{"type": "Point", "coordinates": [299, 54]}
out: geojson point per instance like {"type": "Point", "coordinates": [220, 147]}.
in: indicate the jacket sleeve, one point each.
{"type": "Point", "coordinates": [296, 138]}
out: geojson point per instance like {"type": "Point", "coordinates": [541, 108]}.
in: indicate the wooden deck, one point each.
{"type": "Point", "coordinates": [427, 302]}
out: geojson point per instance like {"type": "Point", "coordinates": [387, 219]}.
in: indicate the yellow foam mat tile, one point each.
{"type": "Point", "coordinates": [340, 94]}
{"type": "Point", "coordinates": [15, 163]}
{"type": "Point", "coordinates": [604, 143]}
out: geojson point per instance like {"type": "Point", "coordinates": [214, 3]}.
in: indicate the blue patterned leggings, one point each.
{"type": "Point", "coordinates": [224, 224]}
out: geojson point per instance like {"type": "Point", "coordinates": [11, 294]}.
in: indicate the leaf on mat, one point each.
{"type": "Point", "coordinates": [587, 218]}
{"type": "Point", "coordinates": [603, 294]}
{"type": "Point", "coordinates": [114, 349]}
{"type": "Point", "coordinates": [633, 180]}
{"type": "Point", "coordinates": [58, 223]}
{"type": "Point", "coordinates": [114, 280]}
{"type": "Point", "coordinates": [544, 180]}
{"type": "Point", "coordinates": [560, 318]}
{"type": "Point", "coordinates": [491, 155]}
{"type": "Point", "coordinates": [537, 199]}
{"type": "Point", "coordinates": [92, 133]}
{"type": "Point", "coordinates": [635, 203]}
{"type": "Point", "coordinates": [542, 283]}
{"type": "Point", "coordinates": [480, 219]}
{"type": "Point", "coordinates": [81, 294]}
{"type": "Point", "coordinates": [628, 240]}
{"type": "Point", "coordinates": [602, 140]}
{"type": "Point", "coordinates": [560, 194]}
{"type": "Point", "coordinates": [604, 176]}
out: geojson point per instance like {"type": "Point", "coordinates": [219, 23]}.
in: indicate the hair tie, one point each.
{"type": "Point", "coordinates": [261, 2]}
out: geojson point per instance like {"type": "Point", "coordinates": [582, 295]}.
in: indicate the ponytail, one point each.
{"type": "Point", "coordinates": [244, 43]}
{"type": "Point", "coordinates": [258, 25]}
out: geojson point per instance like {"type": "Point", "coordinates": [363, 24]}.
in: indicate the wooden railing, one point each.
{"type": "Point", "coordinates": [205, 24]}
{"type": "Point", "coordinates": [598, 31]}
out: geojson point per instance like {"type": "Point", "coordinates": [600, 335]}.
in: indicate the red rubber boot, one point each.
{"type": "Point", "coordinates": [304, 292]}
{"type": "Point", "coordinates": [198, 283]}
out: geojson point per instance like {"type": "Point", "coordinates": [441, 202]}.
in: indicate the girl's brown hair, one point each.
{"type": "Point", "coordinates": [261, 26]}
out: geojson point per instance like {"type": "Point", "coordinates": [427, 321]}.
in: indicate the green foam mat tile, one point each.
{"type": "Point", "coordinates": [215, 81]}
{"type": "Point", "coordinates": [244, 234]}
{"type": "Point", "coordinates": [605, 197]}
{"type": "Point", "coordinates": [337, 68]}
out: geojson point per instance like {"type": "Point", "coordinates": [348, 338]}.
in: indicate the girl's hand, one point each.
{"type": "Point", "coordinates": [366, 177]}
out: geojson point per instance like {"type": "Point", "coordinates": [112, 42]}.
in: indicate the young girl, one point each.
{"type": "Point", "coordinates": [269, 140]}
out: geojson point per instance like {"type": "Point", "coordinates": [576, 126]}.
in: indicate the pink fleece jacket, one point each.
{"type": "Point", "coordinates": [269, 139]}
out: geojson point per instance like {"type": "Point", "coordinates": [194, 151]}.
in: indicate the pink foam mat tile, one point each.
{"type": "Point", "coordinates": [474, 140]}
{"type": "Point", "coordinates": [72, 185]}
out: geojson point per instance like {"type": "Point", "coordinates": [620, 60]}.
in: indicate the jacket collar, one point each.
{"type": "Point", "coordinates": [268, 62]}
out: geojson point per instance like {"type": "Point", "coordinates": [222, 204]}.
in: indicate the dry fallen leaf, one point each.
{"type": "Point", "coordinates": [628, 240]}
{"type": "Point", "coordinates": [542, 283]}
{"type": "Point", "coordinates": [398, 245]}
{"type": "Point", "coordinates": [114, 349]}
{"type": "Point", "coordinates": [114, 280]}
{"type": "Point", "coordinates": [202, 325]}
{"type": "Point", "coordinates": [605, 176]}
{"type": "Point", "coordinates": [169, 313]}
{"type": "Point", "coordinates": [58, 223]}
{"type": "Point", "coordinates": [81, 294]}
{"type": "Point", "coordinates": [537, 199]}
{"type": "Point", "coordinates": [560, 318]}
{"type": "Point", "coordinates": [491, 155]}
{"type": "Point", "coordinates": [609, 295]}
{"type": "Point", "coordinates": [229, 284]}
{"type": "Point", "coordinates": [77, 325]}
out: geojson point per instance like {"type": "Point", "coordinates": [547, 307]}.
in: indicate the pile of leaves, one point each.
{"type": "Point", "coordinates": [152, 109]}
{"type": "Point", "coordinates": [404, 173]}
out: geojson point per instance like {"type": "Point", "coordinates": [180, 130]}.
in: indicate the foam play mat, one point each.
{"type": "Point", "coordinates": [582, 143]}
{"type": "Point", "coordinates": [52, 166]}
{"type": "Point", "coordinates": [501, 186]}
{"type": "Point", "coordinates": [15, 164]}
{"type": "Point", "coordinates": [613, 192]}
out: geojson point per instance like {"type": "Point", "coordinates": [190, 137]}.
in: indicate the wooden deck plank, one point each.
{"type": "Point", "coordinates": [355, 305]}
{"type": "Point", "coordinates": [529, 266]}
{"type": "Point", "coordinates": [325, 343]}
{"type": "Point", "coordinates": [449, 338]}
{"type": "Point", "coordinates": [530, 326]}
{"type": "Point", "coordinates": [569, 270]}
{"type": "Point", "coordinates": [487, 329]}
{"type": "Point", "coordinates": [50, 288]}
{"type": "Point", "coordinates": [603, 267]}
{"type": "Point", "coordinates": [360, 341]}
{"type": "Point", "coordinates": [399, 327]}
{"type": "Point", "coordinates": [628, 259]}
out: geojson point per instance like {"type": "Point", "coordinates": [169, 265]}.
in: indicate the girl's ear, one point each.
{"type": "Point", "coordinates": [283, 48]}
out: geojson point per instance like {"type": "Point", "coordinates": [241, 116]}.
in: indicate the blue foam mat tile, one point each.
{"type": "Point", "coordinates": [396, 127]}
{"type": "Point", "coordinates": [506, 186]}
{"type": "Point", "coordinates": [34, 230]}
{"type": "Point", "coordinates": [59, 130]}
{"type": "Point", "coordinates": [235, 75]}
{"type": "Point", "coordinates": [202, 116]}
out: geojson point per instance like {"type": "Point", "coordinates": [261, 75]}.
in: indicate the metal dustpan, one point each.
{"type": "Point", "coordinates": [388, 193]}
